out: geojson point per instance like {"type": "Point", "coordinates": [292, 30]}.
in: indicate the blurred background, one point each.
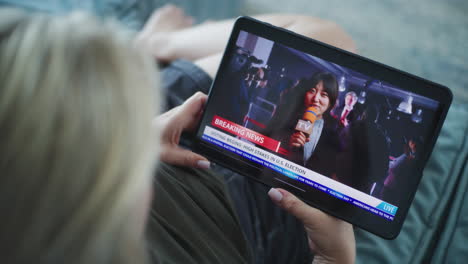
{"type": "Point", "coordinates": [427, 38]}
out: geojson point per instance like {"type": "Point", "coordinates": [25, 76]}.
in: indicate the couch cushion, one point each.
{"type": "Point", "coordinates": [437, 204]}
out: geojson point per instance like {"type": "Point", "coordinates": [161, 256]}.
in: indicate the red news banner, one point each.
{"type": "Point", "coordinates": [246, 133]}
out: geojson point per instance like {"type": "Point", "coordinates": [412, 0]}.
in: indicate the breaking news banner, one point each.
{"type": "Point", "coordinates": [288, 168]}
{"type": "Point", "coordinates": [246, 133]}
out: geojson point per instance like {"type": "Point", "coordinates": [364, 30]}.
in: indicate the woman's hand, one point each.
{"type": "Point", "coordinates": [172, 123]}
{"type": "Point", "coordinates": [298, 139]}
{"type": "Point", "coordinates": [330, 239]}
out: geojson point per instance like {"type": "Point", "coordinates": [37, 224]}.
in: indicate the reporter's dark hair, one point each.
{"type": "Point", "coordinates": [330, 85]}
{"type": "Point", "coordinates": [291, 105]}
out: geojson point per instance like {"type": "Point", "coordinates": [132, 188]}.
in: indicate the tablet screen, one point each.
{"type": "Point", "coordinates": [318, 126]}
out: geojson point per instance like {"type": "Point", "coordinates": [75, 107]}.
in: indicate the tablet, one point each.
{"type": "Point", "coordinates": [346, 134]}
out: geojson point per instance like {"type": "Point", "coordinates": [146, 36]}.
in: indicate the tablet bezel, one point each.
{"type": "Point", "coordinates": [338, 208]}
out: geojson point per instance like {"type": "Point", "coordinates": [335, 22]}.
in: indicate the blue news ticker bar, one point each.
{"type": "Point", "coordinates": [377, 211]}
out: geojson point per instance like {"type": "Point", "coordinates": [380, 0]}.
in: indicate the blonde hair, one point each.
{"type": "Point", "coordinates": [76, 143]}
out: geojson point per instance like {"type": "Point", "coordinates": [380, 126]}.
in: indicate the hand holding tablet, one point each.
{"type": "Point", "coordinates": [345, 134]}
{"type": "Point", "coordinates": [329, 238]}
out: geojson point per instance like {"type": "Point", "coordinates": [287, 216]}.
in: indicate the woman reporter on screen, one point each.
{"type": "Point", "coordinates": [78, 146]}
{"type": "Point", "coordinates": [315, 150]}
{"type": "Point", "coordinates": [321, 92]}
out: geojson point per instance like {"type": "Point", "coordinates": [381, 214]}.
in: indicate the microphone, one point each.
{"type": "Point", "coordinates": [305, 124]}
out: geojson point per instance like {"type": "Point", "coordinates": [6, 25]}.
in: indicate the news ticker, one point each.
{"type": "Point", "coordinates": [300, 173]}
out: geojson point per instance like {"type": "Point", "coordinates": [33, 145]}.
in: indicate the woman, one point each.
{"type": "Point", "coordinates": [315, 150]}
{"type": "Point", "coordinates": [78, 148]}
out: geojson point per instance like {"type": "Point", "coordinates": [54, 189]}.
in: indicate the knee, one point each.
{"type": "Point", "coordinates": [320, 29]}
{"type": "Point", "coordinates": [323, 30]}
